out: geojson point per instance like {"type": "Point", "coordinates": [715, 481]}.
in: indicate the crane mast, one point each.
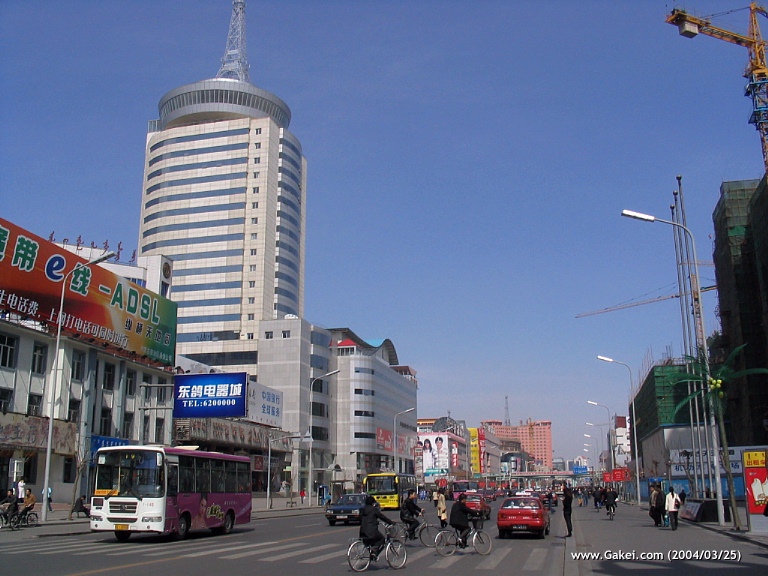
{"type": "Point", "coordinates": [756, 72]}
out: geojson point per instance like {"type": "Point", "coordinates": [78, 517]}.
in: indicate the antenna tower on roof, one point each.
{"type": "Point", "coordinates": [235, 62]}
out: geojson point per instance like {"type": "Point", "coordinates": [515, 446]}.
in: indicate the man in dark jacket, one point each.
{"type": "Point", "coordinates": [410, 514]}
{"type": "Point", "coordinates": [460, 515]}
{"type": "Point", "coordinates": [369, 525]}
{"type": "Point", "coordinates": [567, 509]}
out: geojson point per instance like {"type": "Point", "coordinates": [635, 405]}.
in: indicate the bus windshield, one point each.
{"type": "Point", "coordinates": [380, 485]}
{"type": "Point", "coordinates": [137, 473]}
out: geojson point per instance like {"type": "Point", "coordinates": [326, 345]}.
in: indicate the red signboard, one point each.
{"type": "Point", "coordinates": [620, 474]}
{"type": "Point", "coordinates": [606, 477]}
{"type": "Point", "coordinates": [98, 305]}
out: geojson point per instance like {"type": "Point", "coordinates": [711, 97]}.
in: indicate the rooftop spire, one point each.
{"type": "Point", "coordinates": [235, 61]}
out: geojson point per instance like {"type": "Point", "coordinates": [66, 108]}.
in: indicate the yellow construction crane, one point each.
{"type": "Point", "coordinates": [756, 71]}
{"type": "Point", "coordinates": [639, 303]}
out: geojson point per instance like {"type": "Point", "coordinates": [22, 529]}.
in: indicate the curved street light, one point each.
{"type": "Point", "coordinates": [635, 441]}
{"type": "Point", "coordinates": [55, 369]}
{"type": "Point", "coordinates": [701, 344]}
{"type": "Point", "coordinates": [394, 439]}
{"type": "Point", "coordinates": [610, 438]}
{"type": "Point", "coordinates": [308, 436]}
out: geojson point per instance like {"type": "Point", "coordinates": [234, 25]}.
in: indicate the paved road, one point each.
{"type": "Point", "coordinates": [301, 543]}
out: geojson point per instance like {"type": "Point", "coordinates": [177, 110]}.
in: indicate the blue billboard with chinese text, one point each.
{"type": "Point", "coordinates": [217, 395]}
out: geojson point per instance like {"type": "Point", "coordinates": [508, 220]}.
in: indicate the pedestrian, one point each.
{"type": "Point", "coordinates": [656, 505]}
{"type": "Point", "coordinates": [442, 509]}
{"type": "Point", "coordinates": [672, 505]}
{"type": "Point", "coordinates": [682, 497]}
{"type": "Point", "coordinates": [302, 494]}
{"type": "Point", "coordinates": [20, 489]}
{"type": "Point", "coordinates": [567, 503]}
{"type": "Point", "coordinates": [435, 497]}
{"type": "Point", "coordinates": [49, 499]}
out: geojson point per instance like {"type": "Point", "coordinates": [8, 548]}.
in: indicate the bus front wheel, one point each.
{"type": "Point", "coordinates": [122, 535]}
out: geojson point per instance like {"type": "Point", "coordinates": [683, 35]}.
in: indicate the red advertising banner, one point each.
{"type": "Point", "coordinates": [606, 477]}
{"type": "Point", "coordinates": [755, 480]}
{"type": "Point", "coordinates": [383, 439]}
{"type": "Point", "coordinates": [98, 305]}
{"type": "Point", "coordinates": [620, 474]}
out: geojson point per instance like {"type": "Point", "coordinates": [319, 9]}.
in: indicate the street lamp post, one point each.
{"type": "Point", "coordinates": [701, 344]}
{"type": "Point", "coordinates": [394, 436]}
{"type": "Point", "coordinates": [634, 425]}
{"type": "Point", "coordinates": [309, 431]}
{"type": "Point", "coordinates": [610, 438]}
{"type": "Point", "coordinates": [599, 446]}
{"type": "Point", "coordinates": [54, 372]}
{"type": "Point", "coordinates": [269, 465]}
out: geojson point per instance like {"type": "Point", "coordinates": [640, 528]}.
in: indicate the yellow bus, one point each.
{"type": "Point", "coordinates": [389, 488]}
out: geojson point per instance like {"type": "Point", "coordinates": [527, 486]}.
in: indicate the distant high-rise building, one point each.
{"type": "Point", "coordinates": [535, 438]}
{"type": "Point", "coordinates": [223, 196]}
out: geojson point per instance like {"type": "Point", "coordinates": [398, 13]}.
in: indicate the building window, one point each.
{"type": "Point", "coordinates": [78, 366]}
{"type": "Point", "coordinates": [147, 381]}
{"type": "Point", "coordinates": [108, 382]}
{"type": "Point", "coordinates": [257, 145]}
{"type": "Point", "coordinates": [70, 471]}
{"type": "Point", "coordinates": [159, 430]}
{"type": "Point", "coordinates": [130, 383]}
{"type": "Point", "coordinates": [254, 236]}
{"type": "Point", "coordinates": [254, 220]}
{"type": "Point", "coordinates": [105, 428]}
{"type": "Point", "coordinates": [286, 333]}
{"type": "Point", "coordinates": [145, 430]}
{"type": "Point", "coordinates": [257, 160]}
{"type": "Point", "coordinates": [366, 435]}
{"type": "Point", "coordinates": [250, 335]}
{"type": "Point", "coordinates": [364, 413]}
{"type": "Point", "coordinates": [364, 392]}
{"type": "Point", "coordinates": [30, 470]}
{"type": "Point", "coordinates": [7, 351]}
{"type": "Point", "coordinates": [39, 354]}
{"type": "Point", "coordinates": [5, 399]}
{"type": "Point", "coordinates": [254, 204]}
{"type": "Point", "coordinates": [128, 425]}
{"type": "Point", "coordinates": [252, 268]}
{"type": "Point", "coordinates": [73, 412]}
{"type": "Point", "coordinates": [161, 390]}
{"type": "Point", "coordinates": [319, 409]}
{"type": "Point", "coordinates": [35, 405]}
{"type": "Point", "coordinates": [257, 130]}
{"type": "Point", "coordinates": [251, 316]}
{"type": "Point", "coordinates": [251, 300]}
{"type": "Point", "coordinates": [268, 335]}
{"type": "Point", "coordinates": [251, 283]}
{"type": "Point", "coordinates": [253, 251]}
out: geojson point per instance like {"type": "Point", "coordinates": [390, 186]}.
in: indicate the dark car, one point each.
{"type": "Point", "coordinates": [489, 494]}
{"type": "Point", "coordinates": [346, 509]}
{"type": "Point", "coordinates": [477, 503]}
{"type": "Point", "coordinates": [523, 514]}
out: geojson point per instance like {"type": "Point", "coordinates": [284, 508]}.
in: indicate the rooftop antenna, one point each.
{"type": "Point", "coordinates": [235, 62]}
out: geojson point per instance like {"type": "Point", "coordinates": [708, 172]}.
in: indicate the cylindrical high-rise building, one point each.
{"type": "Point", "coordinates": [223, 196]}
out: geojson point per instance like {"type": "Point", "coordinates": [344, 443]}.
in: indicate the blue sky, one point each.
{"type": "Point", "coordinates": [468, 164]}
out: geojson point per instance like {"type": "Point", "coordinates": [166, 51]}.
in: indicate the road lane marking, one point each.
{"type": "Point", "coordinates": [219, 550]}
{"type": "Point", "coordinates": [495, 559]}
{"type": "Point", "coordinates": [295, 552]}
{"type": "Point", "coordinates": [256, 552]}
{"type": "Point", "coordinates": [324, 557]}
{"type": "Point", "coordinates": [536, 559]}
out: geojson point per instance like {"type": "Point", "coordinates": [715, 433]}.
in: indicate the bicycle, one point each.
{"type": "Point", "coordinates": [360, 555]}
{"type": "Point", "coordinates": [23, 519]}
{"type": "Point", "coordinates": [611, 510]}
{"type": "Point", "coordinates": [425, 532]}
{"type": "Point", "coordinates": [448, 541]}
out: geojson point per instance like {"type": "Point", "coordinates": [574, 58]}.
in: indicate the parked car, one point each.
{"type": "Point", "coordinates": [346, 509]}
{"type": "Point", "coordinates": [523, 514]}
{"type": "Point", "coordinates": [477, 503]}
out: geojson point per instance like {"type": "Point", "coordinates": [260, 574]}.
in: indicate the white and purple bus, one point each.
{"type": "Point", "coordinates": [163, 490]}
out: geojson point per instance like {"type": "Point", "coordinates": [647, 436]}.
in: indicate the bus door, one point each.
{"type": "Point", "coordinates": [171, 496]}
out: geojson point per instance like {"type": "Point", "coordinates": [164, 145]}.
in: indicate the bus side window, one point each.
{"type": "Point", "coordinates": [202, 476]}
{"type": "Point", "coordinates": [230, 469]}
{"type": "Point", "coordinates": [217, 476]}
{"type": "Point", "coordinates": [173, 480]}
{"type": "Point", "coordinates": [186, 474]}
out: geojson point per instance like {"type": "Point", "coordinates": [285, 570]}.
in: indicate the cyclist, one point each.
{"type": "Point", "coordinates": [29, 502]}
{"type": "Point", "coordinates": [610, 500]}
{"type": "Point", "coordinates": [369, 525]}
{"type": "Point", "coordinates": [11, 506]}
{"type": "Point", "coordinates": [410, 513]}
{"type": "Point", "coordinates": [460, 516]}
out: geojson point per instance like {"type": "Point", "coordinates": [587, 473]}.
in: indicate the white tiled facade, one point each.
{"type": "Point", "coordinates": [223, 197]}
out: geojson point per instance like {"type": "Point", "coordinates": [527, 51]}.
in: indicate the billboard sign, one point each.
{"type": "Point", "coordinates": [265, 405]}
{"type": "Point", "coordinates": [98, 305]}
{"type": "Point", "coordinates": [217, 395]}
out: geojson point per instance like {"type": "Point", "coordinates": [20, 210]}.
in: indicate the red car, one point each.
{"type": "Point", "coordinates": [478, 504]}
{"type": "Point", "coordinates": [523, 514]}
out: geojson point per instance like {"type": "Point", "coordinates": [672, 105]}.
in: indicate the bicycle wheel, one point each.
{"type": "Point", "coordinates": [359, 556]}
{"type": "Point", "coordinates": [446, 542]}
{"type": "Point", "coordinates": [396, 554]}
{"type": "Point", "coordinates": [482, 543]}
{"type": "Point", "coordinates": [14, 522]}
{"type": "Point", "coordinates": [397, 532]}
{"type": "Point", "coordinates": [32, 519]}
{"type": "Point", "coordinates": [427, 535]}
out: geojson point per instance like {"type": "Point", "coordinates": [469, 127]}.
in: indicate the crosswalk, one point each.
{"type": "Point", "coordinates": [299, 552]}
